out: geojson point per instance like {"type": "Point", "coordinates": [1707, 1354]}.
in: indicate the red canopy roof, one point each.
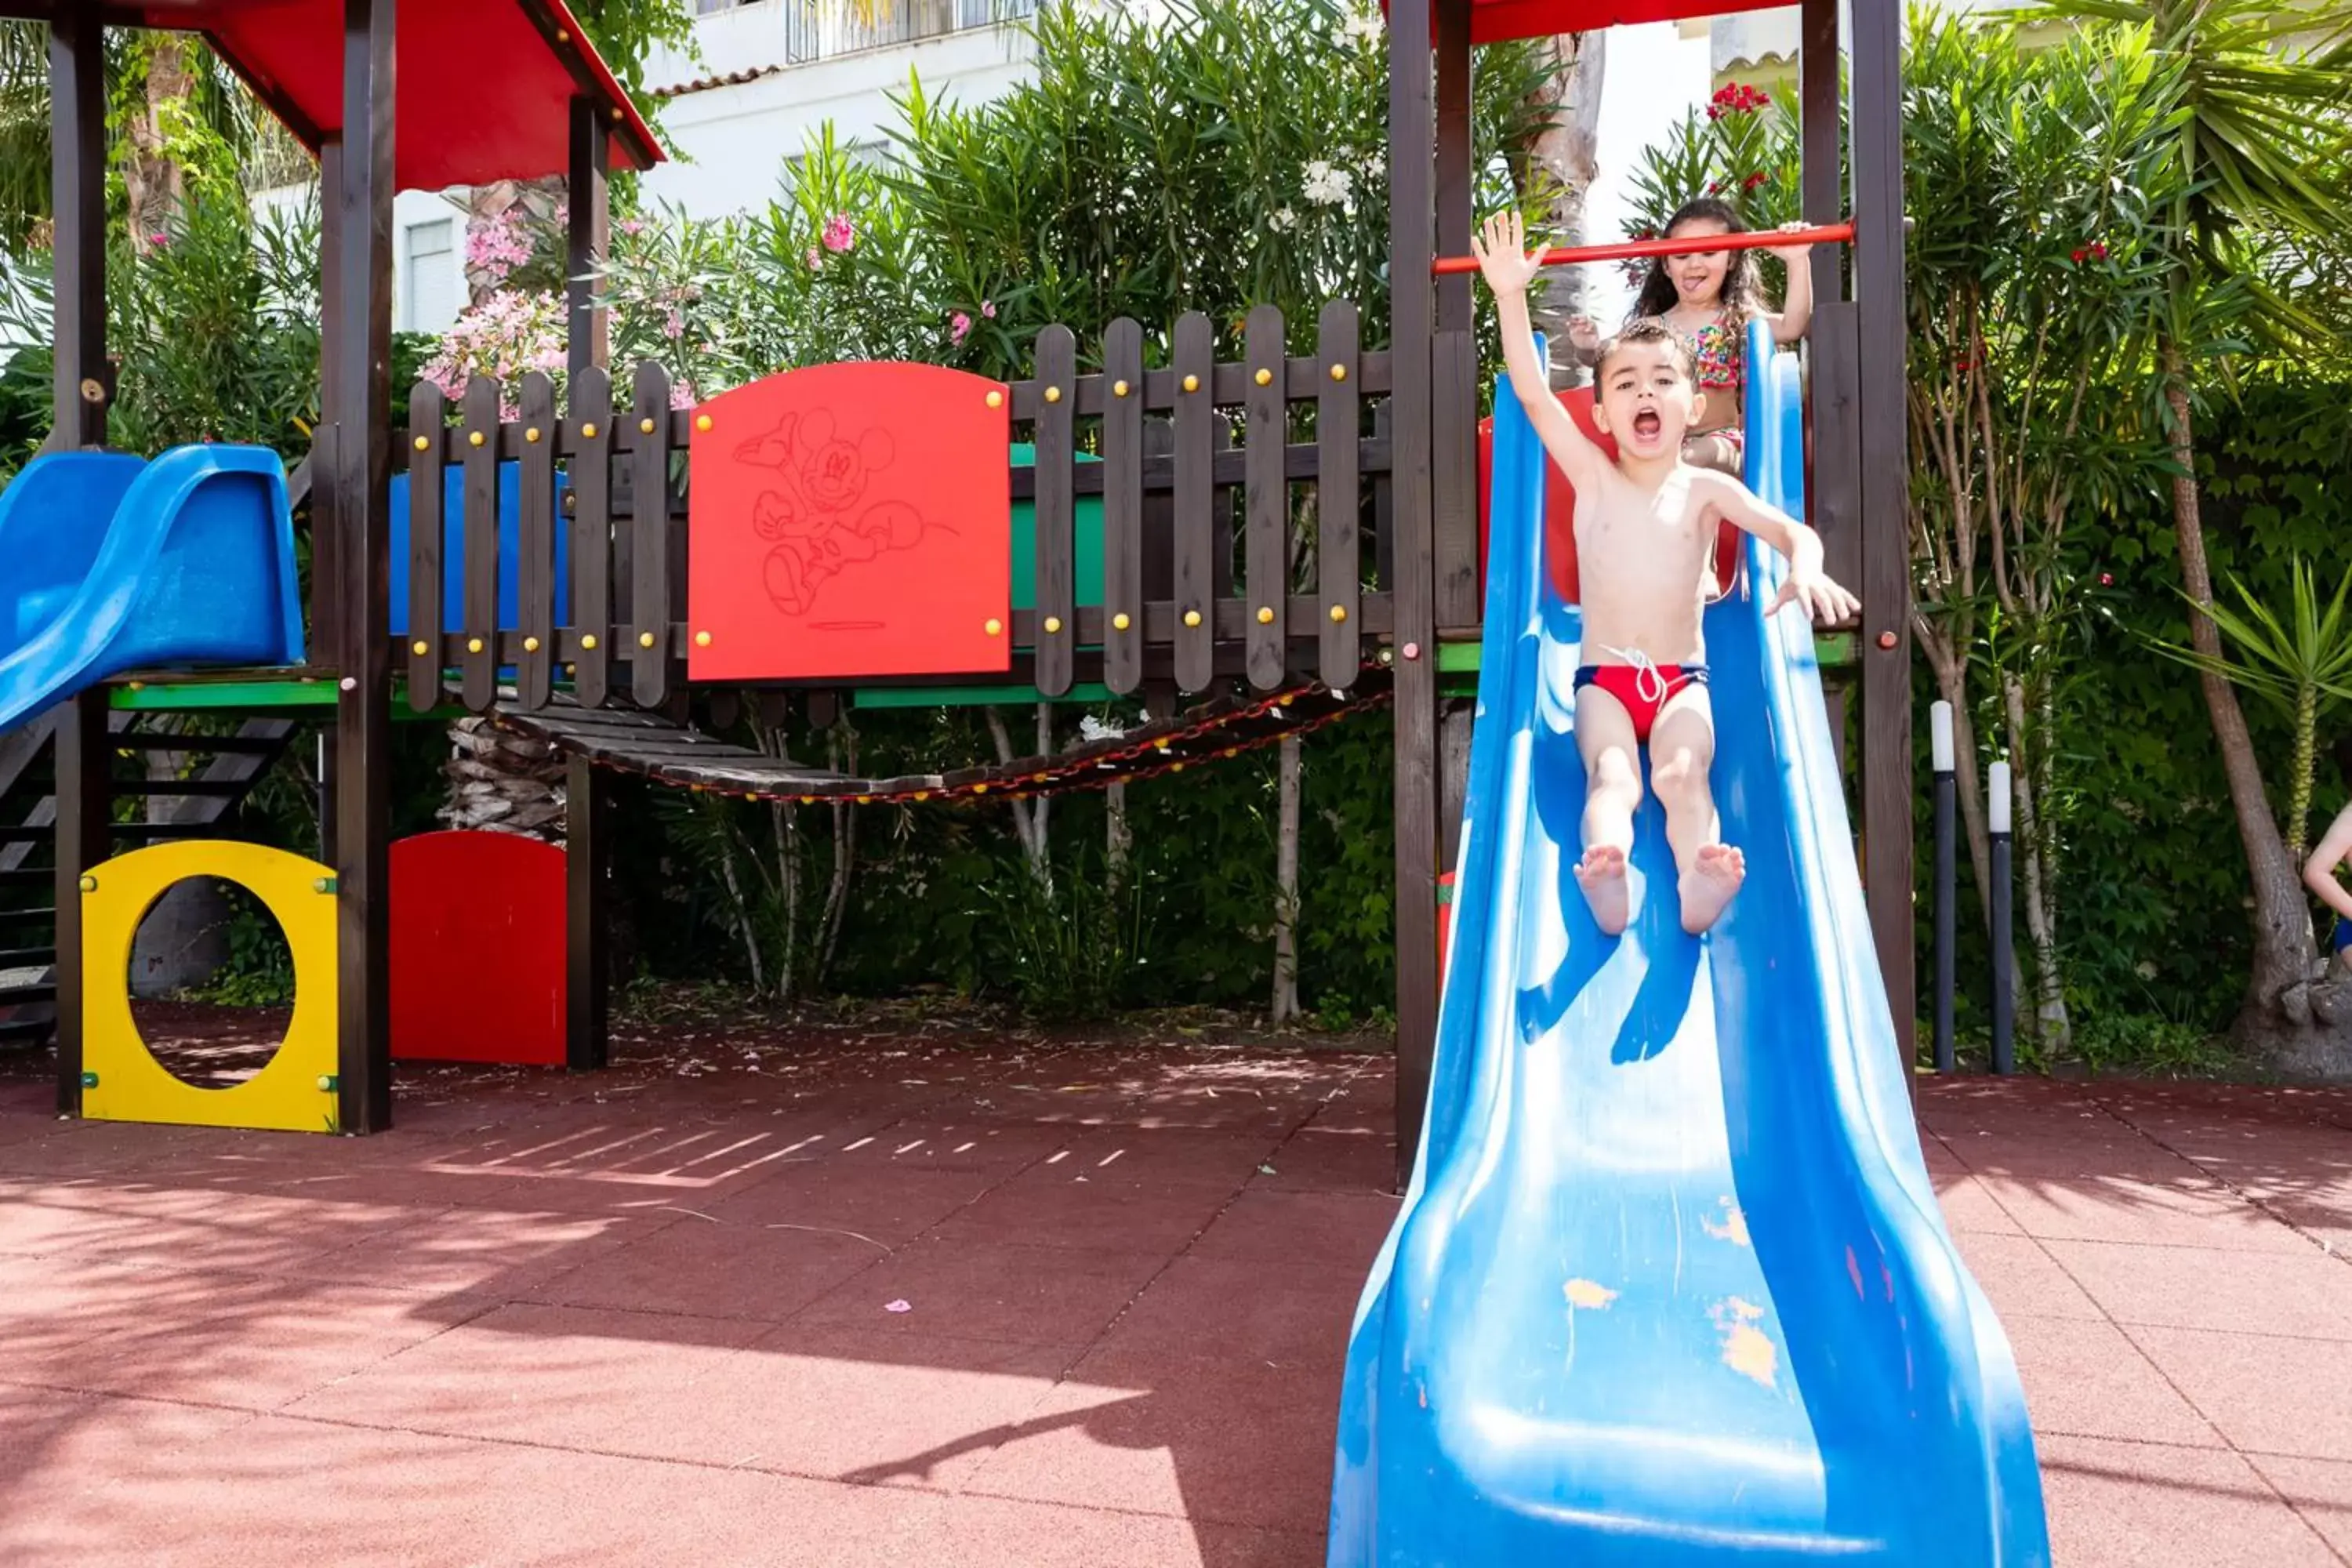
{"type": "Point", "coordinates": [483, 87]}
{"type": "Point", "coordinates": [1494, 21]}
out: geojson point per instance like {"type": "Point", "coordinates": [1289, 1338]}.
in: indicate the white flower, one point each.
{"type": "Point", "coordinates": [1375, 164]}
{"type": "Point", "coordinates": [1284, 219]}
{"type": "Point", "coordinates": [1327, 186]}
{"type": "Point", "coordinates": [1093, 729]}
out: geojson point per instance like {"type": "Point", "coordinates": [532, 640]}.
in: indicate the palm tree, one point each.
{"type": "Point", "coordinates": [2261, 99]}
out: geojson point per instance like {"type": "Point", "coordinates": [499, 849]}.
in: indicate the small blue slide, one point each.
{"type": "Point", "coordinates": [1670, 1285]}
{"type": "Point", "coordinates": [110, 563]}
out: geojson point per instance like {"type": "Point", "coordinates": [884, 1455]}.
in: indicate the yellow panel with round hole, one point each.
{"type": "Point", "coordinates": [121, 1081]}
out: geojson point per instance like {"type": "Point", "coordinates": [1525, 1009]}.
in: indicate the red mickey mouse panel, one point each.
{"type": "Point", "coordinates": [851, 520]}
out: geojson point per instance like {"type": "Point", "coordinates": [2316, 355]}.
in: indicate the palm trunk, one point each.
{"type": "Point", "coordinates": [500, 782]}
{"type": "Point", "coordinates": [2027, 776]}
{"type": "Point", "coordinates": [2281, 922]}
{"type": "Point", "coordinates": [1119, 842]}
{"type": "Point", "coordinates": [1565, 156]}
{"type": "Point", "coordinates": [154, 187]}
{"type": "Point", "coordinates": [1286, 887]}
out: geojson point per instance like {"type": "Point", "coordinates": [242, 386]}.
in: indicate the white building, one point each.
{"type": "Point", "coordinates": [772, 73]}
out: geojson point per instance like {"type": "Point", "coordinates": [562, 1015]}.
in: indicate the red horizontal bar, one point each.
{"type": "Point", "coordinates": [1751, 239]}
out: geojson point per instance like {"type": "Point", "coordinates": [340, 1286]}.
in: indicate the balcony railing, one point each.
{"type": "Point", "coordinates": [822, 29]}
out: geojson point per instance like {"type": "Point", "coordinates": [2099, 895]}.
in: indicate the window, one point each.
{"type": "Point", "coordinates": [429, 276]}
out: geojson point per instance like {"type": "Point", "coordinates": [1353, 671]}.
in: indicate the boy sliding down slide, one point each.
{"type": "Point", "coordinates": [1645, 528]}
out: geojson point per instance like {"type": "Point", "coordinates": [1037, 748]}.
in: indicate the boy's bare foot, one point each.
{"type": "Point", "coordinates": [1601, 874]}
{"type": "Point", "coordinates": [1713, 877]}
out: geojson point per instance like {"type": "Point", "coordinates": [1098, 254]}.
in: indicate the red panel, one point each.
{"type": "Point", "coordinates": [478, 964]}
{"type": "Point", "coordinates": [851, 520]}
{"type": "Point", "coordinates": [458, 121]}
{"type": "Point", "coordinates": [1494, 21]}
{"type": "Point", "coordinates": [1560, 506]}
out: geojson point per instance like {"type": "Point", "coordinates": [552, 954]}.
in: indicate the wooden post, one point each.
{"type": "Point", "coordinates": [326, 561]}
{"type": "Point", "coordinates": [358, 316]}
{"type": "Point", "coordinates": [586, 858]}
{"type": "Point", "coordinates": [1885, 657]}
{"type": "Point", "coordinates": [1265, 531]}
{"type": "Point", "coordinates": [82, 759]}
{"type": "Point", "coordinates": [1411, 144]}
{"type": "Point", "coordinates": [1195, 550]}
{"type": "Point", "coordinates": [589, 204]}
{"type": "Point", "coordinates": [83, 383]}
{"type": "Point", "coordinates": [1833, 482]}
{"type": "Point", "coordinates": [1454, 388]}
{"type": "Point", "coordinates": [1124, 550]}
{"type": "Point", "coordinates": [1053, 578]}
{"type": "Point", "coordinates": [1821, 138]}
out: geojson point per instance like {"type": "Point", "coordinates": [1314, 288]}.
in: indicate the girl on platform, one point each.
{"type": "Point", "coordinates": [1707, 298]}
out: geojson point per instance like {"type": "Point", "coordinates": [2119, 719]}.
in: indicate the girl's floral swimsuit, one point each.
{"type": "Point", "coordinates": [1718, 351]}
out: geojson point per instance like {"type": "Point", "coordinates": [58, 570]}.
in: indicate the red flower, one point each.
{"type": "Point", "coordinates": [1714, 113]}
{"type": "Point", "coordinates": [1715, 187]}
{"type": "Point", "coordinates": [1752, 181]}
{"type": "Point", "coordinates": [2098, 252]}
{"type": "Point", "coordinates": [2078, 257]}
{"type": "Point", "coordinates": [2106, 579]}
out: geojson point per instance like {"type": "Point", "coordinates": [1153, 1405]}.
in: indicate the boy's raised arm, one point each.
{"type": "Point", "coordinates": [1502, 255]}
{"type": "Point", "coordinates": [1824, 601]}
{"type": "Point", "coordinates": [2335, 848]}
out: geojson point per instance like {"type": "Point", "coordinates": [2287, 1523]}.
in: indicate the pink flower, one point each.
{"type": "Point", "coordinates": [840, 234]}
{"type": "Point", "coordinates": [959, 327]}
{"type": "Point", "coordinates": [681, 394]}
{"type": "Point", "coordinates": [674, 326]}
{"type": "Point", "coordinates": [988, 308]}
{"type": "Point", "coordinates": [159, 241]}
{"type": "Point", "coordinates": [815, 258]}
{"type": "Point", "coordinates": [632, 226]}
{"type": "Point", "coordinates": [2106, 579]}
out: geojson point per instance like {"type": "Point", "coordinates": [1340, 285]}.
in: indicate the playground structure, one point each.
{"type": "Point", "coordinates": [581, 620]}
{"type": "Point", "coordinates": [1824, 1379]}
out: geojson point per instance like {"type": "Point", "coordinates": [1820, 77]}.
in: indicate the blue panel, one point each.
{"type": "Point", "coordinates": [1670, 1285]}
{"type": "Point", "coordinates": [116, 565]}
{"type": "Point", "coordinates": [453, 551]}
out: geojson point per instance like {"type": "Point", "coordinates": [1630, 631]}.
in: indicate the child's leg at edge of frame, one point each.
{"type": "Point", "coordinates": [1682, 752]}
{"type": "Point", "coordinates": [1612, 793]}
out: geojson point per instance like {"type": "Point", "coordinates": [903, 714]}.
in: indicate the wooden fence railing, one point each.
{"type": "Point", "coordinates": [1291, 587]}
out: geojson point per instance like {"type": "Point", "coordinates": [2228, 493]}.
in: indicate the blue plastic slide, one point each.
{"type": "Point", "coordinates": [110, 563]}
{"type": "Point", "coordinates": [1670, 1285]}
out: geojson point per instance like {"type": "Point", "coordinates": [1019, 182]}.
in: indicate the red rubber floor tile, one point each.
{"type": "Point", "coordinates": [2308, 1295]}
{"type": "Point", "coordinates": [2079, 1210]}
{"type": "Point", "coordinates": [2146, 1505]}
{"type": "Point", "coordinates": [2086, 1379]}
{"type": "Point", "coordinates": [557, 1376]}
{"type": "Point", "coordinates": [2320, 1490]}
{"type": "Point", "coordinates": [1306, 1232]}
{"type": "Point", "coordinates": [715, 1270]}
{"type": "Point", "coordinates": [1070, 1206]}
{"type": "Point", "coordinates": [1221, 1448]}
{"type": "Point", "coordinates": [989, 1291]}
{"type": "Point", "coordinates": [999, 1532]}
{"type": "Point", "coordinates": [860, 1405]}
{"type": "Point", "coordinates": [2290, 1397]}
{"type": "Point", "coordinates": [2022, 1278]}
{"type": "Point", "coordinates": [1213, 1312]}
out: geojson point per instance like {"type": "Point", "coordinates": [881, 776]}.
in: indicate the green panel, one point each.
{"type": "Point", "coordinates": [247, 696]}
{"type": "Point", "coordinates": [180, 696]}
{"type": "Point", "coordinates": [1088, 546]}
{"type": "Point", "coordinates": [1458, 658]}
{"type": "Point", "coordinates": [1837, 648]}
{"type": "Point", "coordinates": [967, 696]}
